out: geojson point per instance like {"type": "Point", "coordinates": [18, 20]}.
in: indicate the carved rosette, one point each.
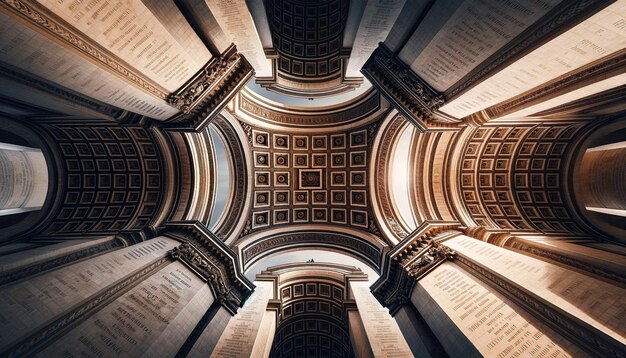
{"type": "Point", "coordinates": [208, 92]}
{"type": "Point", "coordinates": [409, 93]}
{"type": "Point", "coordinates": [213, 261]}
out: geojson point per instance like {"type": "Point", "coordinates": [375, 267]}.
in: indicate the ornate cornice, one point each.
{"type": "Point", "coordinates": [41, 18]}
{"type": "Point", "coordinates": [213, 261]}
{"type": "Point", "coordinates": [393, 289]}
{"type": "Point", "coordinates": [409, 93]}
{"type": "Point", "coordinates": [586, 336]}
{"type": "Point", "coordinates": [208, 92]}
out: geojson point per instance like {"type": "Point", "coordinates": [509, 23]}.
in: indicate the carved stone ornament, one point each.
{"type": "Point", "coordinates": [213, 261]}
{"type": "Point", "coordinates": [410, 94]}
{"type": "Point", "coordinates": [208, 92]}
{"type": "Point", "coordinates": [429, 259]}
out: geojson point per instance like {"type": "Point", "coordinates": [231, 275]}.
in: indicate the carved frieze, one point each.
{"type": "Point", "coordinates": [409, 93]}
{"type": "Point", "coordinates": [429, 259]}
{"type": "Point", "coordinates": [208, 92]}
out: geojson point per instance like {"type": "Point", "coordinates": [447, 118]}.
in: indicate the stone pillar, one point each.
{"type": "Point", "coordinates": [382, 332]}
{"type": "Point", "coordinates": [585, 310]}
{"type": "Point", "coordinates": [42, 307]}
{"type": "Point", "coordinates": [250, 333]}
{"type": "Point", "coordinates": [212, 328]}
{"type": "Point", "coordinates": [153, 318]}
{"type": "Point", "coordinates": [471, 319]}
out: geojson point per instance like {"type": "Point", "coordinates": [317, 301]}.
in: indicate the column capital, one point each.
{"type": "Point", "coordinates": [208, 92]}
{"type": "Point", "coordinates": [413, 258]}
{"type": "Point", "coordinates": [415, 98]}
{"type": "Point", "coordinates": [207, 256]}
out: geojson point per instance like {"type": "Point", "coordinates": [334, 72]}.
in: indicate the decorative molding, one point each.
{"type": "Point", "coordinates": [37, 15]}
{"type": "Point", "coordinates": [393, 289]}
{"type": "Point", "coordinates": [56, 262]}
{"type": "Point", "coordinates": [354, 245]}
{"type": "Point", "coordinates": [208, 92]}
{"type": "Point", "coordinates": [409, 93]}
{"type": "Point", "coordinates": [561, 19]}
{"type": "Point", "coordinates": [212, 260]}
{"type": "Point", "coordinates": [593, 341]}
{"type": "Point", "coordinates": [255, 107]}
{"type": "Point", "coordinates": [381, 183]}
{"type": "Point", "coordinates": [29, 345]}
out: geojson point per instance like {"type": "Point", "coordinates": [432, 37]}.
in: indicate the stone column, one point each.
{"type": "Point", "coordinates": [585, 310]}
{"type": "Point", "coordinates": [40, 308]}
{"type": "Point", "coordinates": [471, 319]}
{"type": "Point", "coordinates": [153, 319]}
{"type": "Point", "coordinates": [382, 332]}
{"type": "Point", "coordinates": [250, 333]}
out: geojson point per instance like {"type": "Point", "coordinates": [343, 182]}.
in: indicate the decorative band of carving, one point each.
{"type": "Point", "coordinates": [594, 342]}
{"type": "Point", "coordinates": [35, 341]}
{"type": "Point", "coordinates": [382, 184]}
{"type": "Point", "coordinates": [208, 92]}
{"type": "Point", "coordinates": [261, 111]}
{"type": "Point", "coordinates": [39, 16]}
{"type": "Point", "coordinates": [240, 178]}
{"type": "Point", "coordinates": [413, 96]}
{"type": "Point", "coordinates": [429, 259]}
{"type": "Point", "coordinates": [23, 272]}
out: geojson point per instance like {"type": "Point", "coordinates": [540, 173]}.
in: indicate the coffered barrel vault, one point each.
{"type": "Point", "coordinates": [299, 178]}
